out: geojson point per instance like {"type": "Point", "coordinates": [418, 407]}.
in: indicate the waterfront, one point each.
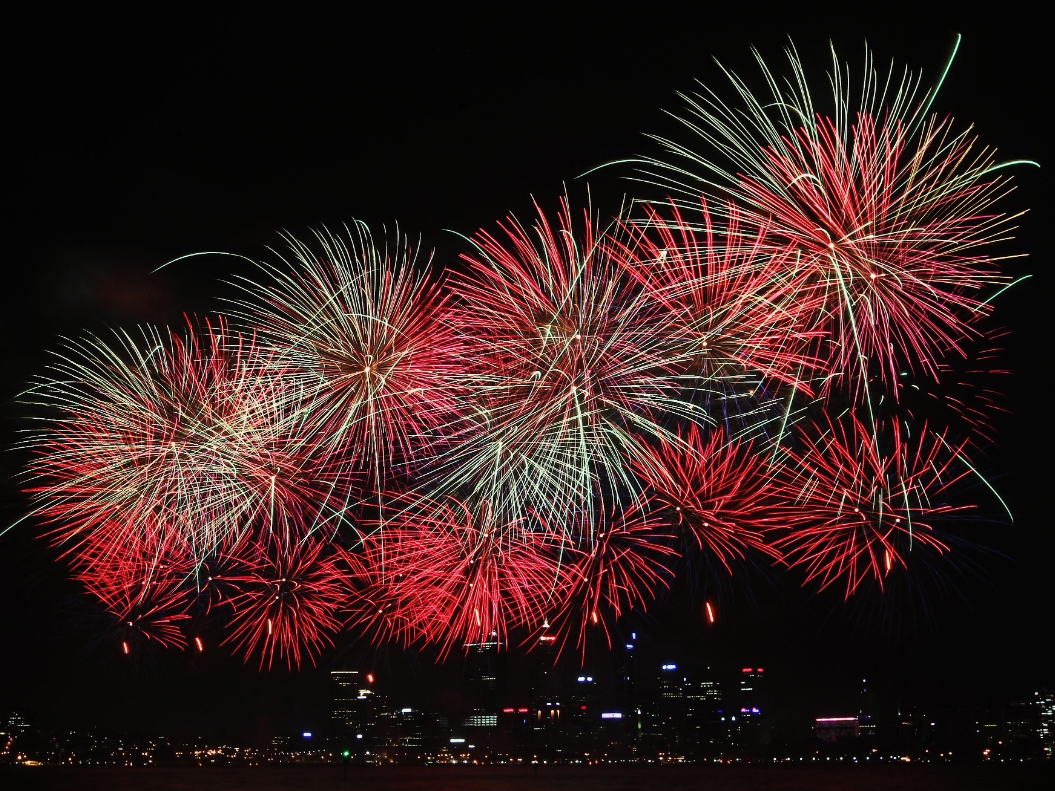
{"type": "Point", "coordinates": [1016, 777]}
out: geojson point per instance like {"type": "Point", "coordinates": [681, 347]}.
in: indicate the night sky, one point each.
{"type": "Point", "coordinates": [136, 139]}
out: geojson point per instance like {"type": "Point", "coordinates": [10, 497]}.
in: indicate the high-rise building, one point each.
{"type": "Point", "coordinates": [752, 684]}
{"type": "Point", "coordinates": [583, 703]}
{"type": "Point", "coordinates": [866, 711]}
{"type": "Point", "coordinates": [1022, 728]}
{"type": "Point", "coordinates": [703, 702]}
{"type": "Point", "coordinates": [1046, 704]}
{"type": "Point", "coordinates": [671, 708]}
{"type": "Point", "coordinates": [627, 692]}
{"type": "Point", "coordinates": [747, 727]}
{"type": "Point", "coordinates": [482, 662]}
{"type": "Point", "coordinates": [355, 705]}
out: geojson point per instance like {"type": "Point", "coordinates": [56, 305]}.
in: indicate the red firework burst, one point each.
{"type": "Point", "coordinates": [446, 573]}
{"type": "Point", "coordinates": [611, 572]}
{"type": "Point", "coordinates": [289, 601]}
{"type": "Point", "coordinates": [733, 318]}
{"type": "Point", "coordinates": [715, 494]}
{"type": "Point", "coordinates": [885, 218]}
{"type": "Point", "coordinates": [568, 367]}
{"type": "Point", "coordinates": [854, 513]}
{"type": "Point", "coordinates": [891, 234]}
{"type": "Point", "coordinates": [143, 594]}
{"type": "Point", "coordinates": [175, 444]}
{"type": "Point", "coordinates": [364, 334]}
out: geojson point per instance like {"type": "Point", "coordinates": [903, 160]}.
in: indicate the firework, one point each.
{"type": "Point", "coordinates": [173, 443]}
{"type": "Point", "coordinates": [731, 312]}
{"type": "Point", "coordinates": [715, 496]}
{"type": "Point", "coordinates": [143, 595]}
{"type": "Point", "coordinates": [568, 367]}
{"type": "Point", "coordinates": [619, 567]}
{"type": "Point", "coordinates": [788, 362]}
{"type": "Point", "coordinates": [361, 332]}
{"type": "Point", "coordinates": [885, 217]}
{"type": "Point", "coordinates": [856, 507]}
{"type": "Point", "coordinates": [449, 574]}
{"type": "Point", "coordinates": [289, 601]}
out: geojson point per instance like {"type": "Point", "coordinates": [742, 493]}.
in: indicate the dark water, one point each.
{"type": "Point", "coordinates": [1018, 777]}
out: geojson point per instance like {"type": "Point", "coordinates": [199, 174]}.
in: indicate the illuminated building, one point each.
{"type": "Point", "coordinates": [346, 685]}
{"type": "Point", "coordinates": [356, 706]}
{"type": "Point", "coordinates": [1022, 729]}
{"type": "Point", "coordinates": [831, 729]}
{"type": "Point", "coordinates": [669, 716]}
{"type": "Point", "coordinates": [482, 662]}
{"type": "Point", "coordinates": [628, 674]}
{"type": "Point", "coordinates": [481, 719]}
{"type": "Point", "coordinates": [1046, 704]}
{"type": "Point", "coordinates": [751, 687]}
{"type": "Point", "coordinates": [703, 702]}
{"type": "Point", "coordinates": [747, 727]}
{"type": "Point", "coordinates": [866, 725]}
{"type": "Point", "coordinates": [583, 703]}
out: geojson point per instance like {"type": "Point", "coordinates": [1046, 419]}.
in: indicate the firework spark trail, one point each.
{"type": "Point", "coordinates": [887, 213]}
{"type": "Point", "coordinates": [715, 496]}
{"type": "Point", "coordinates": [177, 439]}
{"type": "Point", "coordinates": [361, 333]}
{"type": "Point", "coordinates": [620, 568]}
{"type": "Point", "coordinates": [734, 321]}
{"type": "Point", "coordinates": [722, 285]}
{"type": "Point", "coordinates": [144, 596]}
{"type": "Point", "coordinates": [454, 577]}
{"type": "Point", "coordinates": [290, 599]}
{"type": "Point", "coordinates": [851, 512]}
{"type": "Point", "coordinates": [568, 368]}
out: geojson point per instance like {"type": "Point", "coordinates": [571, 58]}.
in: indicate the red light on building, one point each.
{"type": "Point", "coordinates": [760, 670]}
{"type": "Point", "coordinates": [522, 711]}
{"type": "Point", "coordinates": [749, 670]}
{"type": "Point", "coordinates": [831, 729]}
{"type": "Point", "coordinates": [508, 711]}
{"type": "Point", "coordinates": [583, 708]}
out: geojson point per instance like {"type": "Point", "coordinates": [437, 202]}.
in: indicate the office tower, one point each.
{"type": "Point", "coordinates": [583, 703]}
{"type": "Point", "coordinates": [752, 688]}
{"type": "Point", "coordinates": [703, 700]}
{"type": "Point", "coordinates": [626, 688]}
{"type": "Point", "coordinates": [482, 664]}
{"type": "Point", "coordinates": [355, 705]}
{"type": "Point", "coordinates": [747, 727]}
{"type": "Point", "coordinates": [866, 711]}
{"type": "Point", "coordinates": [669, 709]}
{"type": "Point", "coordinates": [1046, 704]}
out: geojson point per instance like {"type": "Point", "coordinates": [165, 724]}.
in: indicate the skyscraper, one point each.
{"type": "Point", "coordinates": [482, 664]}
{"type": "Point", "coordinates": [670, 714]}
{"type": "Point", "coordinates": [354, 705]}
{"type": "Point", "coordinates": [747, 727]}
{"type": "Point", "coordinates": [703, 699]}
{"type": "Point", "coordinates": [1046, 703]}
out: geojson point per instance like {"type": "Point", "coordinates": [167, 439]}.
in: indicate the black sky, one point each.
{"type": "Point", "coordinates": [137, 137]}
